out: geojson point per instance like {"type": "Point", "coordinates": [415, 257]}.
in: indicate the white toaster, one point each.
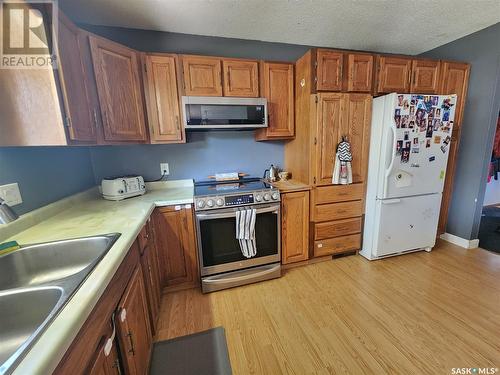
{"type": "Point", "coordinates": [118, 188]}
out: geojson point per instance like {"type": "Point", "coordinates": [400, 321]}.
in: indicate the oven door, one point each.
{"type": "Point", "coordinates": [219, 250]}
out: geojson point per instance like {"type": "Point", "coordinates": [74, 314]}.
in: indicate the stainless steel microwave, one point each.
{"type": "Point", "coordinates": [208, 112]}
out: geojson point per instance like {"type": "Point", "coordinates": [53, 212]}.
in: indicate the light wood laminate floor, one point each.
{"type": "Point", "coordinates": [421, 313]}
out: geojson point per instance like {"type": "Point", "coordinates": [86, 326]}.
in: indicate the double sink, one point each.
{"type": "Point", "coordinates": [36, 281]}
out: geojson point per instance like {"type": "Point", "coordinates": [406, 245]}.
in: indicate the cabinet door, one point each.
{"type": "Point", "coordinates": [241, 78]}
{"type": "Point", "coordinates": [202, 75]}
{"type": "Point", "coordinates": [277, 87]}
{"type": "Point", "coordinates": [103, 364]}
{"type": "Point", "coordinates": [425, 78]}
{"type": "Point", "coordinates": [393, 74]}
{"type": "Point", "coordinates": [329, 70]}
{"type": "Point", "coordinates": [331, 116]}
{"type": "Point", "coordinates": [454, 80]}
{"type": "Point", "coordinates": [357, 130]}
{"type": "Point", "coordinates": [163, 99]}
{"type": "Point", "coordinates": [175, 239]}
{"type": "Point", "coordinates": [295, 227]}
{"type": "Point", "coordinates": [79, 117]}
{"type": "Point", "coordinates": [134, 332]}
{"type": "Point", "coordinates": [151, 281]}
{"type": "Point", "coordinates": [116, 70]}
{"type": "Point", "coordinates": [360, 72]}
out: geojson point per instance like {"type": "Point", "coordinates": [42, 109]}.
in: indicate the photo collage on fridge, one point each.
{"type": "Point", "coordinates": [424, 124]}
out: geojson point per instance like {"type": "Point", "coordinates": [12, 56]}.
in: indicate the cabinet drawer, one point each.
{"type": "Point", "coordinates": [337, 228]}
{"type": "Point", "coordinates": [336, 211]}
{"type": "Point", "coordinates": [337, 245]}
{"type": "Point", "coordinates": [339, 193]}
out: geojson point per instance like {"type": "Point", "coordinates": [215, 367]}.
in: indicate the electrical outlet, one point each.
{"type": "Point", "coordinates": [164, 169]}
{"type": "Point", "coordinates": [10, 194]}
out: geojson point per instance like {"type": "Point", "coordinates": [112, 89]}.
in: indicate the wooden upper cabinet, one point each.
{"type": "Point", "coordinates": [175, 241]}
{"type": "Point", "coordinates": [425, 76]}
{"type": "Point", "coordinates": [393, 74]}
{"type": "Point", "coordinates": [202, 75]}
{"type": "Point", "coordinates": [277, 87]}
{"type": "Point", "coordinates": [331, 116]}
{"type": "Point", "coordinates": [116, 70]}
{"type": "Point", "coordinates": [163, 105]}
{"type": "Point", "coordinates": [357, 130]}
{"type": "Point", "coordinates": [132, 322]}
{"type": "Point", "coordinates": [241, 78]}
{"type": "Point", "coordinates": [295, 226]}
{"type": "Point", "coordinates": [329, 70]}
{"type": "Point", "coordinates": [454, 80]}
{"type": "Point", "coordinates": [79, 116]}
{"type": "Point", "coordinates": [359, 72]}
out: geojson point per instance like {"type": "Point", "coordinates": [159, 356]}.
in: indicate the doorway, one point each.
{"type": "Point", "coordinates": [489, 228]}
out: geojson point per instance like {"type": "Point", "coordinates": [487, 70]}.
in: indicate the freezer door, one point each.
{"type": "Point", "coordinates": [417, 143]}
{"type": "Point", "coordinates": [405, 224]}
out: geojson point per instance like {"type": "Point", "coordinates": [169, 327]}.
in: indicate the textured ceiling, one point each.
{"type": "Point", "coordinates": [397, 26]}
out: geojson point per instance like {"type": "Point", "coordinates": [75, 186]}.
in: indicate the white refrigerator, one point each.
{"type": "Point", "coordinates": [409, 146]}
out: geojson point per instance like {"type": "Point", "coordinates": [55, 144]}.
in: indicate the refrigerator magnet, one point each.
{"type": "Point", "coordinates": [405, 155]}
{"type": "Point", "coordinates": [413, 99]}
{"type": "Point", "coordinates": [400, 100]}
{"type": "Point", "coordinates": [441, 175]}
{"type": "Point", "coordinates": [432, 158]}
{"type": "Point", "coordinates": [430, 130]}
{"type": "Point", "coordinates": [406, 135]}
{"type": "Point", "coordinates": [443, 148]}
{"type": "Point", "coordinates": [399, 147]}
{"type": "Point", "coordinates": [428, 143]}
{"type": "Point", "coordinates": [437, 139]}
{"type": "Point", "coordinates": [435, 100]}
{"type": "Point", "coordinates": [447, 140]}
{"type": "Point", "coordinates": [446, 116]}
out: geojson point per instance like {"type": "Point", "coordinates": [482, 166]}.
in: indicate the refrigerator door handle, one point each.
{"type": "Point", "coordinates": [389, 168]}
{"type": "Point", "coordinates": [391, 201]}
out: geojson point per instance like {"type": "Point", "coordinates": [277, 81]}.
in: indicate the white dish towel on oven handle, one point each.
{"type": "Point", "coordinates": [245, 231]}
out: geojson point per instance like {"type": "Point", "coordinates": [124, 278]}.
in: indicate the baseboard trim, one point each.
{"type": "Point", "coordinates": [459, 241]}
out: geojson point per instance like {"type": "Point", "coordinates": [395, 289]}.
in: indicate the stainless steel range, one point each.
{"type": "Point", "coordinates": [222, 263]}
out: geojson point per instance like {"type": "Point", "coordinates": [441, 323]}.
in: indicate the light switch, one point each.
{"type": "Point", "coordinates": [10, 194]}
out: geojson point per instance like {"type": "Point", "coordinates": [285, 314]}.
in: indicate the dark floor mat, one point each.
{"type": "Point", "coordinates": [203, 353]}
{"type": "Point", "coordinates": [489, 229]}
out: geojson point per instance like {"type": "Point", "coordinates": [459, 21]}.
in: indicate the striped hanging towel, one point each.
{"type": "Point", "coordinates": [245, 231]}
{"type": "Point", "coordinates": [342, 170]}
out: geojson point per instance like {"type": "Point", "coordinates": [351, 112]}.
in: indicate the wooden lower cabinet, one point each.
{"type": "Point", "coordinates": [176, 243]}
{"type": "Point", "coordinates": [85, 348]}
{"type": "Point", "coordinates": [337, 245]}
{"type": "Point", "coordinates": [294, 227]}
{"type": "Point", "coordinates": [133, 328]}
{"type": "Point", "coordinates": [103, 364]}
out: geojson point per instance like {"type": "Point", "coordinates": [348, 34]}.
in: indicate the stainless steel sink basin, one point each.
{"type": "Point", "coordinates": [23, 312]}
{"type": "Point", "coordinates": [36, 281]}
{"type": "Point", "coordinates": [46, 262]}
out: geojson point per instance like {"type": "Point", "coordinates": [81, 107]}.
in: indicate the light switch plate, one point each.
{"type": "Point", "coordinates": [10, 194]}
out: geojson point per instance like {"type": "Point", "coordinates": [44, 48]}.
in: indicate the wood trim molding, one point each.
{"type": "Point", "coordinates": [459, 241]}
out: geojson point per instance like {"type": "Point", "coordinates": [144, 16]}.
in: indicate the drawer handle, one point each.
{"type": "Point", "coordinates": [132, 349]}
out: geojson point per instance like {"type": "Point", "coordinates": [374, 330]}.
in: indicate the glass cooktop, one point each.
{"type": "Point", "coordinates": [229, 187]}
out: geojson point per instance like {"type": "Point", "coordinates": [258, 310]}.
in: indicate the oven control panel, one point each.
{"type": "Point", "coordinates": [211, 202]}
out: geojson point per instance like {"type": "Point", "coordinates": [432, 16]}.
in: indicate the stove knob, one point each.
{"type": "Point", "coordinates": [220, 202]}
{"type": "Point", "coordinates": [258, 197]}
{"type": "Point", "coordinates": [267, 196]}
{"type": "Point", "coordinates": [275, 196]}
{"type": "Point", "coordinates": [210, 203]}
{"type": "Point", "coordinates": [200, 203]}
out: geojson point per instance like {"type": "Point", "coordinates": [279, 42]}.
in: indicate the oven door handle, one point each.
{"type": "Point", "coordinates": [215, 215]}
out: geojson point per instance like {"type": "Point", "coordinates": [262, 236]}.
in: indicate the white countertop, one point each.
{"type": "Point", "coordinates": [86, 215]}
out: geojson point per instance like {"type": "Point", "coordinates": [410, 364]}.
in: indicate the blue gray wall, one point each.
{"type": "Point", "coordinates": [482, 50]}
{"type": "Point", "coordinates": [45, 174]}
{"type": "Point", "coordinates": [205, 153]}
